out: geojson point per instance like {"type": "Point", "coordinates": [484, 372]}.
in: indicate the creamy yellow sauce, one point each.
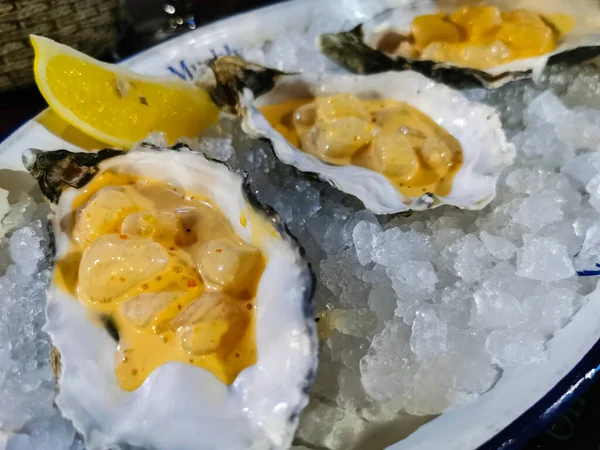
{"type": "Point", "coordinates": [414, 153]}
{"type": "Point", "coordinates": [167, 270]}
{"type": "Point", "coordinates": [480, 37]}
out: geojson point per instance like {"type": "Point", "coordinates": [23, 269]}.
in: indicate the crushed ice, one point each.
{"type": "Point", "coordinates": [421, 312]}
{"type": "Point", "coordinates": [27, 386]}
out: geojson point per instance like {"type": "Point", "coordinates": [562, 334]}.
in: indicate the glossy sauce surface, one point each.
{"type": "Point", "coordinates": [479, 37]}
{"type": "Point", "coordinates": [393, 138]}
{"type": "Point", "coordinates": [165, 271]}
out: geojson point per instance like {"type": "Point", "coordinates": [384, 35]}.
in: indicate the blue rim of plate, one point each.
{"type": "Point", "coordinates": [550, 406]}
{"type": "Point", "coordinates": [542, 413]}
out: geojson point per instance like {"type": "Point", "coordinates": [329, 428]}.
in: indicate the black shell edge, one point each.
{"type": "Point", "coordinates": [58, 170]}
{"type": "Point", "coordinates": [309, 282]}
{"type": "Point", "coordinates": [348, 50]}
{"type": "Point", "coordinates": [39, 164]}
{"type": "Point", "coordinates": [233, 74]}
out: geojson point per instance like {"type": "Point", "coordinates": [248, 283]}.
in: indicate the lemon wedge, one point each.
{"type": "Point", "coordinates": [58, 127]}
{"type": "Point", "coordinates": [113, 104]}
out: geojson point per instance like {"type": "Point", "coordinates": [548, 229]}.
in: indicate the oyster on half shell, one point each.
{"type": "Point", "coordinates": [384, 166]}
{"type": "Point", "coordinates": [144, 283]}
{"type": "Point", "coordinates": [385, 42]}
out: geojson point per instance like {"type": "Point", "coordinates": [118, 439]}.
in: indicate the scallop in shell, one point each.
{"type": "Point", "coordinates": [397, 141]}
{"type": "Point", "coordinates": [489, 45]}
{"type": "Point", "coordinates": [180, 308]}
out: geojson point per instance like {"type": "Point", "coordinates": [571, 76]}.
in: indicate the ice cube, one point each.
{"type": "Point", "coordinates": [587, 259]}
{"type": "Point", "coordinates": [576, 128]}
{"type": "Point", "coordinates": [550, 310]}
{"type": "Point", "coordinates": [445, 381]}
{"type": "Point", "coordinates": [317, 421]}
{"type": "Point", "coordinates": [429, 391]}
{"type": "Point", "coordinates": [217, 148]}
{"type": "Point", "coordinates": [382, 301]}
{"type": "Point", "coordinates": [395, 246]}
{"type": "Point", "coordinates": [364, 235]}
{"type": "Point", "coordinates": [503, 278]}
{"type": "Point", "coordinates": [471, 377]}
{"type": "Point", "coordinates": [524, 180]}
{"type": "Point", "coordinates": [351, 356]}
{"type": "Point", "coordinates": [539, 210]}
{"type": "Point", "coordinates": [20, 213]}
{"type": "Point", "coordinates": [354, 322]}
{"type": "Point", "coordinates": [582, 168]}
{"type": "Point", "coordinates": [509, 347]}
{"type": "Point", "coordinates": [326, 426]}
{"type": "Point", "coordinates": [563, 232]}
{"type": "Point", "coordinates": [472, 258]}
{"type": "Point", "coordinates": [455, 303]}
{"type": "Point", "coordinates": [25, 250]}
{"type": "Point", "coordinates": [428, 336]}
{"type": "Point", "coordinates": [543, 259]}
{"type": "Point", "coordinates": [259, 161]}
{"type": "Point", "coordinates": [541, 143]}
{"type": "Point", "coordinates": [346, 431]}
{"type": "Point", "coordinates": [339, 273]}
{"type": "Point", "coordinates": [495, 309]}
{"type": "Point", "coordinates": [441, 243]}
{"type": "Point", "coordinates": [383, 368]}
{"type": "Point", "coordinates": [413, 278]}
{"type": "Point", "coordinates": [584, 90]}
{"type": "Point", "coordinates": [469, 342]}
{"type": "Point", "coordinates": [593, 187]}
{"type": "Point", "coordinates": [351, 392]}
{"type": "Point", "coordinates": [546, 108]}
{"type": "Point", "coordinates": [497, 246]}
{"type": "Point", "coordinates": [581, 130]}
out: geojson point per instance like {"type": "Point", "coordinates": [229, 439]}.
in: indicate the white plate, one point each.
{"type": "Point", "coordinates": [464, 428]}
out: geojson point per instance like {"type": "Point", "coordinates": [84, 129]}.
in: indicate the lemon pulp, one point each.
{"type": "Point", "coordinates": [113, 104]}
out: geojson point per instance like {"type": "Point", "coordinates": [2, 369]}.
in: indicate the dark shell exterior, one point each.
{"type": "Point", "coordinates": [349, 50]}
{"type": "Point", "coordinates": [228, 76]}
{"type": "Point", "coordinates": [58, 170]}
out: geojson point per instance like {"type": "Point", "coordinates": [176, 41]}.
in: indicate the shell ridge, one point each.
{"type": "Point", "coordinates": [58, 170]}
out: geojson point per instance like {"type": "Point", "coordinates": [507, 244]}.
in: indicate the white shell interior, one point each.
{"type": "Point", "coordinates": [477, 127]}
{"type": "Point", "coordinates": [182, 406]}
{"type": "Point", "coordinates": [585, 34]}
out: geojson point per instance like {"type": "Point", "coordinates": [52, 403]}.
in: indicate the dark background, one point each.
{"type": "Point", "coordinates": [145, 23]}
